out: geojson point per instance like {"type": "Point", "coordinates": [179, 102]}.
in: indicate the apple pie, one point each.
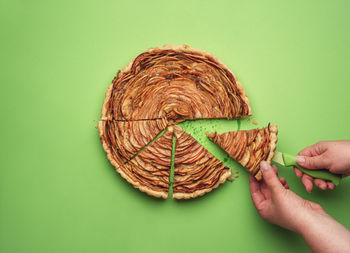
{"type": "Point", "coordinates": [158, 89]}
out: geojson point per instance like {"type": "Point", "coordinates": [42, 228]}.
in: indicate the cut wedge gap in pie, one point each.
{"type": "Point", "coordinates": [172, 167]}
{"type": "Point", "coordinates": [196, 171]}
{"type": "Point", "coordinates": [249, 147]}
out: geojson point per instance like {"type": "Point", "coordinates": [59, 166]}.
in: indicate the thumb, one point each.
{"type": "Point", "coordinates": [270, 177]}
{"type": "Point", "coordinates": [312, 162]}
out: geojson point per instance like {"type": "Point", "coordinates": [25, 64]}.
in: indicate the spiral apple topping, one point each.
{"type": "Point", "coordinates": [176, 83]}
{"type": "Point", "coordinates": [249, 147]}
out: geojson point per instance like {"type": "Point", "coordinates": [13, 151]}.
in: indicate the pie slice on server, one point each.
{"type": "Point", "coordinates": [196, 171]}
{"type": "Point", "coordinates": [149, 171]}
{"type": "Point", "coordinates": [249, 147]}
{"type": "Point", "coordinates": [122, 140]}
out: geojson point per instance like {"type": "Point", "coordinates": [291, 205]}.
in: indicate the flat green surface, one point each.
{"type": "Point", "coordinates": [58, 192]}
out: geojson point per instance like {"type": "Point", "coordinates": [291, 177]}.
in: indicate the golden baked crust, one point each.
{"type": "Point", "coordinates": [176, 83]}
{"type": "Point", "coordinates": [196, 171]}
{"type": "Point", "coordinates": [249, 147]}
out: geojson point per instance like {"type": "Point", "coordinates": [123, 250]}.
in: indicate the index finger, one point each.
{"type": "Point", "coordinates": [314, 150]}
{"type": "Point", "coordinates": [308, 151]}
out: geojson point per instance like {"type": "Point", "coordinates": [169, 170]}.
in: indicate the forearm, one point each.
{"type": "Point", "coordinates": [324, 234]}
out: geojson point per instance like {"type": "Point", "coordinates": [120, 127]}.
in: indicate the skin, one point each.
{"type": "Point", "coordinates": [277, 204]}
{"type": "Point", "coordinates": [331, 155]}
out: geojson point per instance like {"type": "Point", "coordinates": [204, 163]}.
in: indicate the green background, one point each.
{"type": "Point", "coordinates": [58, 192]}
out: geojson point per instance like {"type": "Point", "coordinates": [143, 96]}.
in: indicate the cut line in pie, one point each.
{"type": "Point", "coordinates": [149, 171]}
{"type": "Point", "coordinates": [158, 89]}
{"type": "Point", "coordinates": [122, 140]}
{"type": "Point", "coordinates": [249, 147]}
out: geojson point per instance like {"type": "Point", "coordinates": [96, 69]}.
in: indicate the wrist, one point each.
{"type": "Point", "coordinates": [324, 234]}
{"type": "Point", "coordinates": [310, 222]}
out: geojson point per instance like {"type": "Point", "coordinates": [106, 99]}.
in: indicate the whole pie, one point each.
{"type": "Point", "coordinates": [249, 147]}
{"type": "Point", "coordinates": [158, 89]}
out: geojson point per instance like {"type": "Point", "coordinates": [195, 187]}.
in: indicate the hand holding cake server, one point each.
{"type": "Point", "coordinates": [277, 204]}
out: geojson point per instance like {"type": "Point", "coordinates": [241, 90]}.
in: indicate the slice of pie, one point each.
{"type": "Point", "coordinates": [124, 139]}
{"type": "Point", "coordinates": [176, 83]}
{"type": "Point", "coordinates": [249, 147]}
{"type": "Point", "coordinates": [149, 171]}
{"type": "Point", "coordinates": [196, 171]}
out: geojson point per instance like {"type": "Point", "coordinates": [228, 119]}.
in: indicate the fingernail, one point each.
{"type": "Point", "coordinates": [300, 159]}
{"type": "Point", "coordinates": [264, 166]}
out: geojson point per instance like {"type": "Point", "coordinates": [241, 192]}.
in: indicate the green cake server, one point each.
{"type": "Point", "coordinates": [288, 160]}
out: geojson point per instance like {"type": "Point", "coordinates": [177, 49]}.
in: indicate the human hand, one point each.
{"type": "Point", "coordinates": [279, 205]}
{"type": "Point", "coordinates": [331, 155]}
